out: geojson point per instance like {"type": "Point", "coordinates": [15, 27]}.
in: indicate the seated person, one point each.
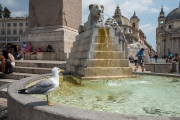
{"type": "Point", "coordinates": [8, 56]}
{"type": "Point", "coordinates": [38, 50]}
{"type": "Point", "coordinates": [23, 45]}
{"type": "Point", "coordinates": [5, 66]}
{"type": "Point", "coordinates": [167, 59]}
{"type": "Point", "coordinates": [176, 58]}
{"type": "Point", "coordinates": [23, 52]}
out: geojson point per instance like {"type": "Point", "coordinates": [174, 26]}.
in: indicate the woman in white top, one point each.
{"type": "Point", "coordinates": [8, 56]}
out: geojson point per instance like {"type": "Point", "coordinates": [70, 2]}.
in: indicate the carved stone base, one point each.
{"type": "Point", "coordinates": [60, 37]}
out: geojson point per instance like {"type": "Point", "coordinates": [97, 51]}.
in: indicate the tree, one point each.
{"type": "Point", "coordinates": [1, 11]}
{"type": "Point", "coordinates": [6, 13]}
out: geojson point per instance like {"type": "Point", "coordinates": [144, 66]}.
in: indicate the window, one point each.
{"type": "Point", "coordinates": [8, 24]}
{"type": "Point", "coordinates": [14, 32]}
{"type": "Point", "coordinates": [27, 24]}
{"type": "Point", "coordinates": [15, 24]}
{"type": "Point", "coordinates": [20, 31]}
{"type": "Point", "coordinates": [134, 25]}
{"type": "Point", "coordinates": [130, 30]}
{"type": "Point", "coordinates": [161, 22]}
{"type": "Point", "coordinates": [124, 29]}
{"type": "Point", "coordinates": [2, 32]}
{"type": "Point", "coordinates": [8, 39]}
{"type": "Point", "coordinates": [170, 26]}
{"type": "Point", "coordinates": [2, 24]}
{"type": "Point", "coordinates": [20, 24]}
{"type": "Point", "coordinates": [8, 32]}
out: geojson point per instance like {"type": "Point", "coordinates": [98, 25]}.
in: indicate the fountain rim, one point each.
{"type": "Point", "coordinates": [65, 111]}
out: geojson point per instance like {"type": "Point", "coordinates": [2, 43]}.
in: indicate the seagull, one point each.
{"type": "Point", "coordinates": [45, 86]}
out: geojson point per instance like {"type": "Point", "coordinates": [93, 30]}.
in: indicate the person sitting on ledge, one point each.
{"type": "Point", "coordinates": [5, 65]}
{"type": "Point", "coordinates": [23, 52]}
{"type": "Point", "coordinates": [176, 58]}
{"type": "Point", "coordinates": [8, 56]}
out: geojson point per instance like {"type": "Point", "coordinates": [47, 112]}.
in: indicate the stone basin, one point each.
{"type": "Point", "coordinates": [27, 107]}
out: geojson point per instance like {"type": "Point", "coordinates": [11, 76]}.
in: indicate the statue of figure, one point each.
{"type": "Point", "coordinates": [94, 18]}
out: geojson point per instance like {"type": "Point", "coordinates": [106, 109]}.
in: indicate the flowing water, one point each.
{"type": "Point", "coordinates": [105, 17]}
{"type": "Point", "coordinates": [144, 95]}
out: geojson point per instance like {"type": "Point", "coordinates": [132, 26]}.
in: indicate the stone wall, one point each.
{"type": "Point", "coordinates": [55, 12]}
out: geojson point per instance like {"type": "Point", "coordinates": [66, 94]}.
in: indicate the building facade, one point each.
{"type": "Point", "coordinates": [12, 28]}
{"type": "Point", "coordinates": [168, 33]}
{"type": "Point", "coordinates": [130, 28]}
{"type": "Point", "coordinates": [133, 34]}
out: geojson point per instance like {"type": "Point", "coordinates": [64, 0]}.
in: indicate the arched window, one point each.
{"type": "Point", "coordinates": [170, 26]}
{"type": "Point", "coordinates": [134, 25]}
{"type": "Point", "coordinates": [8, 39]}
{"type": "Point", "coordinates": [161, 22]}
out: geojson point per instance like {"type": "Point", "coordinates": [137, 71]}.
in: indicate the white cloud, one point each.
{"type": "Point", "coordinates": [148, 28]}
{"type": "Point", "coordinates": [127, 7]}
{"type": "Point", "coordinates": [154, 10]}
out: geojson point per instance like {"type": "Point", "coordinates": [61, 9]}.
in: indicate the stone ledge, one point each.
{"type": "Point", "coordinates": [159, 67]}
{"type": "Point", "coordinates": [46, 56]}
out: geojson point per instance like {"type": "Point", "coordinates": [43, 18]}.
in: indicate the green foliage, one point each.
{"type": "Point", "coordinates": [6, 13]}
{"type": "Point", "coordinates": [1, 11]}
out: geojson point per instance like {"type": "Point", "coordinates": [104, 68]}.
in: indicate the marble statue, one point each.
{"type": "Point", "coordinates": [94, 17]}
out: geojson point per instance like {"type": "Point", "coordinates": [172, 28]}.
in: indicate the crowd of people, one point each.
{"type": "Point", "coordinates": [10, 52]}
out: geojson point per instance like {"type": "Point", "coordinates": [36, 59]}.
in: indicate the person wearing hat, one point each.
{"type": "Point", "coordinates": [140, 60]}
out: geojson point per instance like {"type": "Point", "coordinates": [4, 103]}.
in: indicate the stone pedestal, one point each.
{"type": "Point", "coordinates": [60, 37]}
{"type": "Point", "coordinates": [96, 53]}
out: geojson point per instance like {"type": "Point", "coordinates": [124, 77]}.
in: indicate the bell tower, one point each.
{"type": "Point", "coordinates": [135, 24]}
{"type": "Point", "coordinates": [161, 18]}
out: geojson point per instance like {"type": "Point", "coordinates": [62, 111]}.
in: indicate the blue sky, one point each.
{"type": "Point", "coordinates": [146, 10]}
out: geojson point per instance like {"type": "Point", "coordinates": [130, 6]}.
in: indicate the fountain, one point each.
{"type": "Point", "coordinates": [96, 54]}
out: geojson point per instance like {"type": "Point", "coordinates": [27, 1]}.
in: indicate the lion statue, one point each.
{"type": "Point", "coordinates": [94, 17]}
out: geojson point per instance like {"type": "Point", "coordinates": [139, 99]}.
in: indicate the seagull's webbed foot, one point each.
{"type": "Point", "coordinates": [50, 103]}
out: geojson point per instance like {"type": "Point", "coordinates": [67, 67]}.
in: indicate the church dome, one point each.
{"type": "Point", "coordinates": [173, 15]}
{"type": "Point", "coordinates": [121, 20]}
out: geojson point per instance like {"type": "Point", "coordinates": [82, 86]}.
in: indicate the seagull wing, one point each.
{"type": "Point", "coordinates": [41, 87]}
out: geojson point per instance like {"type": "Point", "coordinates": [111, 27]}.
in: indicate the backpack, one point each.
{"type": "Point", "coordinates": [139, 54]}
{"type": "Point", "coordinates": [49, 48]}
{"type": "Point", "coordinates": [170, 55]}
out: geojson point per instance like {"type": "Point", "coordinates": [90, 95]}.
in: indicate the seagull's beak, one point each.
{"type": "Point", "coordinates": [61, 70]}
